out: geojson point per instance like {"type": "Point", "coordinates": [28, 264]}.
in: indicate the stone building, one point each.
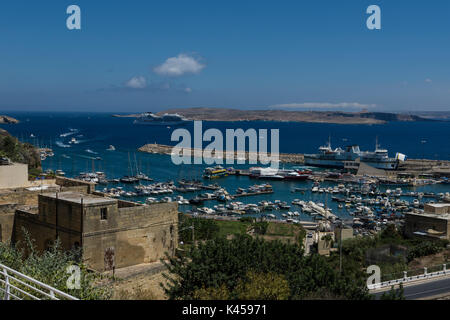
{"type": "Point", "coordinates": [13, 175]}
{"type": "Point", "coordinates": [434, 223]}
{"type": "Point", "coordinates": [110, 232]}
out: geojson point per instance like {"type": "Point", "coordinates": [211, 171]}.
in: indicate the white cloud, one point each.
{"type": "Point", "coordinates": [323, 105]}
{"type": "Point", "coordinates": [428, 80]}
{"type": "Point", "coordinates": [179, 65]}
{"type": "Point", "coordinates": [138, 82]}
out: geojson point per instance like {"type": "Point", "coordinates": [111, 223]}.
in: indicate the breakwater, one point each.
{"type": "Point", "coordinates": [295, 158]}
{"type": "Point", "coordinates": [415, 167]}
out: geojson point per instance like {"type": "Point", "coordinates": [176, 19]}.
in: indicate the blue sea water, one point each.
{"type": "Point", "coordinates": [96, 131]}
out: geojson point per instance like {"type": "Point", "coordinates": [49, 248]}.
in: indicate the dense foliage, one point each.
{"type": "Point", "coordinates": [425, 248]}
{"type": "Point", "coordinates": [16, 151]}
{"type": "Point", "coordinates": [394, 294]}
{"type": "Point", "coordinates": [221, 266]}
{"type": "Point", "coordinates": [50, 267]}
{"type": "Point", "coordinates": [355, 249]}
{"type": "Point", "coordinates": [204, 229]}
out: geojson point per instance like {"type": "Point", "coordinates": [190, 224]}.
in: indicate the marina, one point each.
{"type": "Point", "coordinates": [298, 193]}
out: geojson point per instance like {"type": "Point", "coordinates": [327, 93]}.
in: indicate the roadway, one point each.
{"type": "Point", "coordinates": [424, 289]}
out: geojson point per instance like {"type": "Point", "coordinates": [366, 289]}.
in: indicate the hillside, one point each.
{"type": "Point", "coordinates": [8, 119]}
{"type": "Point", "coordinates": [16, 151]}
{"type": "Point", "coordinates": [339, 117]}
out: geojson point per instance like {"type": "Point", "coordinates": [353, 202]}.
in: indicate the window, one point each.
{"type": "Point", "coordinates": [103, 213]}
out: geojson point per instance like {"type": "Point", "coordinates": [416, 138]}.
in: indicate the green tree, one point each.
{"type": "Point", "coordinates": [204, 229]}
{"type": "Point", "coordinates": [226, 262]}
{"type": "Point", "coordinates": [212, 293]}
{"type": "Point", "coordinates": [263, 286]}
{"type": "Point", "coordinates": [394, 294]}
{"type": "Point", "coordinates": [50, 267]}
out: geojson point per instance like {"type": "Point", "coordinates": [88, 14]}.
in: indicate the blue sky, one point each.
{"type": "Point", "coordinates": [147, 55]}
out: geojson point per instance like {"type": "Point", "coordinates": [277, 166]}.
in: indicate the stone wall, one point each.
{"type": "Point", "coordinates": [135, 235]}
{"type": "Point", "coordinates": [86, 187]}
{"type": "Point", "coordinates": [14, 176]}
{"type": "Point", "coordinates": [56, 220]}
{"type": "Point", "coordinates": [22, 196]}
{"type": "Point", "coordinates": [7, 212]}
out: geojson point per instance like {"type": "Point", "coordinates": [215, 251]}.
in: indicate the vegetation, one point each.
{"type": "Point", "coordinates": [394, 294]}
{"type": "Point", "coordinates": [207, 229]}
{"type": "Point", "coordinates": [355, 250]}
{"type": "Point", "coordinates": [204, 229]}
{"type": "Point", "coordinates": [252, 268]}
{"type": "Point", "coordinates": [221, 267]}
{"type": "Point", "coordinates": [135, 294]}
{"type": "Point", "coordinates": [426, 248]}
{"type": "Point", "coordinates": [16, 151]}
{"type": "Point", "coordinates": [50, 267]}
{"type": "Point", "coordinates": [263, 286]}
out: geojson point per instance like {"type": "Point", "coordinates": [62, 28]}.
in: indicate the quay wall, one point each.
{"type": "Point", "coordinates": [298, 158]}
{"type": "Point", "coordinates": [75, 185]}
{"type": "Point", "coordinates": [167, 150]}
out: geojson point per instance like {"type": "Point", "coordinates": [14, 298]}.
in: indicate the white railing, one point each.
{"type": "Point", "coordinates": [18, 286]}
{"type": "Point", "coordinates": [406, 279]}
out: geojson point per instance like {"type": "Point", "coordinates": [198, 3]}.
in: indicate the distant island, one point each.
{"type": "Point", "coordinates": [8, 119]}
{"type": "Point", "coordinates": [338, 117]}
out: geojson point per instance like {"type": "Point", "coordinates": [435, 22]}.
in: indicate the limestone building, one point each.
{"type": "Point", "coordinates": [111, 233]}
{"type": "Point", "coordinates": [13, 175]}
{"type": "Point", "coordinates": [434, 223]}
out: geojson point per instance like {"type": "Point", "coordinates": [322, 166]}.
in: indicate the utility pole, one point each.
{"type": "Point", "coordinates": [193, 235]}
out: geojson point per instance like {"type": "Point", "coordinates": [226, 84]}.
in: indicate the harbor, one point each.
{"type": "Point", "coordinates": [356, 193]}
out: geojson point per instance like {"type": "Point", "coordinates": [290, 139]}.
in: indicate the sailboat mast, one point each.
{"type": "Point", "coordinates": [129, 165]}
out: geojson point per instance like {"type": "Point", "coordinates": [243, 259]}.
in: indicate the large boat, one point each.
{"type": "Point", "coordinates": [166, 119]}
{"type": "Point", "coordinates": [278, 174]}
{"type": "Point", "coordinates": [335, 158]}
{"type": "Point", "coordinates": [379, 159]}
{"type": "Point", "coordinates": [216, 172]}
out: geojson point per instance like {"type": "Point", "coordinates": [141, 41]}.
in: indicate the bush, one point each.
{"type": "Point", "coordinates": [204, 229]}
{"type": "Point", "coordinates": [263, 286]}
{"type": "Point", "coordinates": [50, 267]}
{"type": "Point", "coordinates": [226, 262]}
{"type": "Point", "coordinates": [260, 227]}
{"type": "Point", "coordinates": [424, 249]}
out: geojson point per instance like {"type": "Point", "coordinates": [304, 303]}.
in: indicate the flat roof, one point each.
{"type": "Point", "coordinates": [443, 216]}
{"type": "Point", "coordinates": [438, 205]}
{"type": "Point", "coordinates": [76, 197]}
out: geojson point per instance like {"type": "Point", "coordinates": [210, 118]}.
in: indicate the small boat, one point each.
{"type": "Point", "coordinates": [127, 179]}
{"type": "Point", "coordinates": [111, 148]}
{"type": "Point", "coordinates": [73, 141]}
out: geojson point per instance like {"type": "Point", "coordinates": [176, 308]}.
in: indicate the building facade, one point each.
{"type": "Point", "coordinates": [111, 233]}
{"type": "Point", "coordinates": [433, 223]}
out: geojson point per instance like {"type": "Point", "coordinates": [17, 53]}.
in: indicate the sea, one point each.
{"type": "Point", "coordinates": [95, 132]}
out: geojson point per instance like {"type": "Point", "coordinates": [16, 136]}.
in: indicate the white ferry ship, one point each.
{"type": "Point", "coordinates": [335, 158]}
{"type": "Point", "coordinates": [149, 118]}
